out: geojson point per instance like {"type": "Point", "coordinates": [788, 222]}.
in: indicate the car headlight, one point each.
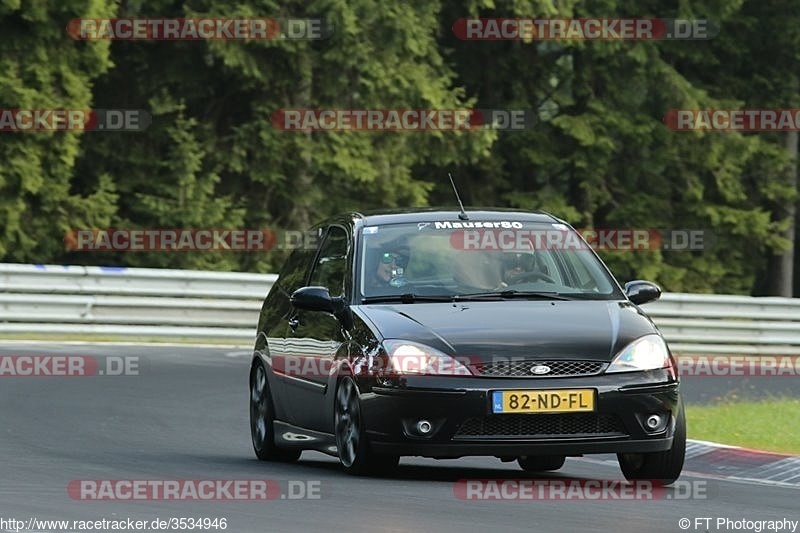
{"type": "Point", "coordinates": [646, 353]}
{"type": "Point", "coordinates": [408, 357]}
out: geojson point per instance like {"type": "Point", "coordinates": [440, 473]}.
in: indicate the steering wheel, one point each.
{"type": "Point", "coordinates": [533, 276]}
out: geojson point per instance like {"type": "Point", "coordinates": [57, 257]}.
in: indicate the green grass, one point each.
{"type": "Point", "coordinates": [772, 424]}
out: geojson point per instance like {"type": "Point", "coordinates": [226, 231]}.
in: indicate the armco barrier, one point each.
{"type": "Point", "coordinates": [142, 303]}
{"type": "Point", "coordinates": [130, 303]}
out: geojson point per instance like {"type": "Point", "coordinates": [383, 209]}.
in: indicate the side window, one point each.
{"type": "Point", "coordinates": [331, 268]}
{"type": "Point", "coordinates": [295, 271]}
{"type": "Point", "coordinates": [587, 272]}
{"type": "Point", "coordinates": [583, 277]}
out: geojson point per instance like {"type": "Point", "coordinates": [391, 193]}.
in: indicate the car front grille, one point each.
{"type": "Point", "coordinates": [524, 369]}
{"type": "Point", "coordinates": [541, 426]}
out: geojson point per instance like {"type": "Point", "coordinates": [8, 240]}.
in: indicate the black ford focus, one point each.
{"type": "Point", "coordinates": [447, 334]}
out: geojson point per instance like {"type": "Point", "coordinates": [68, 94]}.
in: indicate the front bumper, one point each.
{"type": "Point", "coordinates": [459, 410]}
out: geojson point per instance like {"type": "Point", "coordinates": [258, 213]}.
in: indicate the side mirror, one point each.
{"type": "Point", "coordinates": [319, 299]}
{"type": "Point", "coordinates": [640, 291]}
{"type": "Point", "coordinates": [312, 299]}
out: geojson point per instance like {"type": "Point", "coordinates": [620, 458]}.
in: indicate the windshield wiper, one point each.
{"type": "Point", "coordinates": [408, 298]}
{"type": "Point", "coordinates": [510, 294]}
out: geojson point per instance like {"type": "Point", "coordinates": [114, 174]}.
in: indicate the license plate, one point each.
{"type": "Point", "coordinates": [543, 401]}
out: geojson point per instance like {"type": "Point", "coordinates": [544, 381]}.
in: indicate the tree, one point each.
{"type": "Point", "coordinates": [44, 69]}
{"type": "Point", "coordinates": [601, 156]}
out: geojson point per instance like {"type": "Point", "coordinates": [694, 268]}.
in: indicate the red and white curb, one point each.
{"type": "Point", "coordinates": [735, 462]}
{"type": "Point", "coordinates": [721, 461]}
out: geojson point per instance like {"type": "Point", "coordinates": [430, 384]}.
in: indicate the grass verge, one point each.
{"type": "Point", "coordinates": [772, 424]}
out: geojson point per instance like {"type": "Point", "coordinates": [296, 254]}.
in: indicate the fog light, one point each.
{"type": "Point", "coordinates": [424, 427]}
{"type": "Point", "coordinates": [653, 422]}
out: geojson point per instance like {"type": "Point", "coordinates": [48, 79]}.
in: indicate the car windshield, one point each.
{"type": "Point", "coordinates": [485, 259]}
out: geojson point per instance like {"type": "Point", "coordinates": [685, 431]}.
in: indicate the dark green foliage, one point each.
{"type": "Point", "coordinates": [600, 156]}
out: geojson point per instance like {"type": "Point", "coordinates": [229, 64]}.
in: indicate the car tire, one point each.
{"type": "Point", "coordinates": [541, 463]}
{"type": "Point", "coordinates": [665, 466]}
{"type": "Point", "coordinates": [262, 416]}
{"type": "Point", "coordinates": [355, 454]}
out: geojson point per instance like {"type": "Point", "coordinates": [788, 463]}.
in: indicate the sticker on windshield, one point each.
{"type": "Point", "coordinates": [504, 224]}
{"type": "Point", "coordinates": [369, 230]}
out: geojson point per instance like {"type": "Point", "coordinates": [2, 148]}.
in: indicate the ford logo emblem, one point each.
{"type": "Point", "coordinates": [540, 369]}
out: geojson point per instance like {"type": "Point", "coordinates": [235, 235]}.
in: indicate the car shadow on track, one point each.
{"type": "Point", "coordinates": [448, 471]}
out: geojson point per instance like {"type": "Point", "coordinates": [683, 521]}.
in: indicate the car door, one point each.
{"type": "Point", "coordinates": [315, 336]}
{"type": "Point", "coordinates": [274, 324]}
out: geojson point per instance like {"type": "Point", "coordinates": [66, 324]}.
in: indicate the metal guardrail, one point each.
{"type": "Point", "coordinates": [141, 303]}
{"type": "Point", "coordinates": [132, 303]}
{"type": "Point", "coordinates": [728, 324]}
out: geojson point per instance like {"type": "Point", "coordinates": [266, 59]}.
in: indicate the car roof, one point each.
{"type": "Point", "coordinates": [432, 214]}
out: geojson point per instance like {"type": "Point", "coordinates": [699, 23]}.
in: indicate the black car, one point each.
{"type": "Point", "coordinates": [446, 334]}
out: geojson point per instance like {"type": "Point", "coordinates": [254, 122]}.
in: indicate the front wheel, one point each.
{"type": "Point", "coordinates": [262, 416]}
{"type": "Point", "coordinates": [663, 466]}
{"type": "Point", "coordinates": [351, 439]}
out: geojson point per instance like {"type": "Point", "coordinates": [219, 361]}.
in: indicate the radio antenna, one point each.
{"type": "Point", "coordinates": [463, 214]}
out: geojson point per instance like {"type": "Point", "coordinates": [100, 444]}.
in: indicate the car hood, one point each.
{"type": "Point", "coordinates": [575, 329]}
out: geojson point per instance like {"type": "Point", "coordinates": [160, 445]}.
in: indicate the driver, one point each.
{"type": "Point", "coordinates": [516, 266]}
{"type": "Point", "coordinates": [390, 267]}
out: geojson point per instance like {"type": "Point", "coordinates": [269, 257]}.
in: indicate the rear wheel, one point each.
{"type": "Point", "coordinates": [663, 466]}
{"type": "Point", "coordinates": [354, 452]}
{"type": "Point", "coordinates": [541, 463]}
{"type": "Point", "coordinates": [262, 416]}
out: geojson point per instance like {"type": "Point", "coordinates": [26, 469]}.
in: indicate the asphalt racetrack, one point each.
{"type": "Point", "coordinates": [186, 417]}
